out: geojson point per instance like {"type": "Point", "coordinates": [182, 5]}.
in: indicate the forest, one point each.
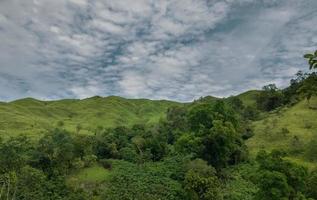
{"type": "Point", "coordinates": [210, 149]}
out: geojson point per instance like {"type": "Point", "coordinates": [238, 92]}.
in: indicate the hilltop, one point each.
{"type": "Point", "coordinates": [31, 116]}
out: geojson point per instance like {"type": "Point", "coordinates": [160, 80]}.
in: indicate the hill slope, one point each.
{"type": "Point", "coordinates": [289, 129]}
{"type": "Point", "coordinates": [31, 116]}
{"type": "Point", "coordinates": [280, 129]}
{"type": "Point", "coordinates": [249, 98]}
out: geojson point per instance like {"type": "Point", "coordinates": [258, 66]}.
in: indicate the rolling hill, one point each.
{"type": "Point", "coordinates": [32, 117]}
{"type": "Point", "coordinates": [275, 130]}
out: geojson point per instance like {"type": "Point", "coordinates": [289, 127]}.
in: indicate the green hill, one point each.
{"type": "Point", "coordinates": [249, 98]}
{"type": "Point", "coordinates": [276, 130]}
{"type": "Point", "coordinates": [31, 116]}
{"type": "Point", "coordinates": [289, 129]}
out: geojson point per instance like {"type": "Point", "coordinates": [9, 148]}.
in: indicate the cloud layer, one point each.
{"type": "Point", "coordinates": [166, 49]}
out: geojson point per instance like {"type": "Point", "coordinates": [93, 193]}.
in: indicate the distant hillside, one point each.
{"type": "Point", "coordinates": [249, 98]}
{"type": "Point", "coordinates": [31, 116]}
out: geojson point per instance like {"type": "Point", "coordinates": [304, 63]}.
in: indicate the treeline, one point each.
{"type": "Point", "coordinates": [304, 85]}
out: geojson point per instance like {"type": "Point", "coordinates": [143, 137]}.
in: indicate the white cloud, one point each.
{"type": "Point", "coordinates": [154, 49]}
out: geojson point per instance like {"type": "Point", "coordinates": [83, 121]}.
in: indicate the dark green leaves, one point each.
{"type": "Point", "coordinates": [312, 60]}
{"type": "Point", "coordinates": [308, 56]}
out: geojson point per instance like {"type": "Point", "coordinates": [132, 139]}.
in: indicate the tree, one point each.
{"type": "Point", "coordinates": [278, 178]}
{"type": "Point", "coordinates": [312, 60]}
{"type": "Point", "coordinates": [32, 184]}
{"type": "Point", "coordinates": [201, 182]}
{"type": "Point", "coordinates": [309, 87]}
{"type": "Point", "coordinates": [273, 186]}
{"type": "Point", "coordinates": [14, 153]}
{"type": "Point", "coordinates": [222, 145]}
{"type": "Point", "coordinates": [250, 113]}
{"type": "Point", "coordinates": [55, 152]}
{"type": "Point", "coordinates": [312, 185]}
{"type": "Point", "coordinates": [236, 104]}
{"type": "Point", "coordinates": [176, 117]}
{"type": "Point", "coordinates": [200, 117]}
{"type": "Point", "coordinates": [270, 98]}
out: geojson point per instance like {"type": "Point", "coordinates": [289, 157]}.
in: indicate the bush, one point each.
{"type": "Point", "coordinates": [130, 181]}
{"type": "Point", "coordinates": [105, 164]}
{"type": "Point", "coordinates": [78, 164]}
{"type": "Point", "coordinates": [312, 185]}
{"type": "Point", "coordinates": [89, 160]}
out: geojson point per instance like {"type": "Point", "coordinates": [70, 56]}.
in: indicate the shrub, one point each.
{"type": "Point", "coordinates": [105, 163]}
{"type": "Point", "coordinates": [89, 160]}
{"type": "Point", "coordinates": [78, 164]}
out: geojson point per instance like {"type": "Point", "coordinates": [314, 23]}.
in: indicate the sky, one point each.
{"type": "Point", "coordinates": [158, 49]}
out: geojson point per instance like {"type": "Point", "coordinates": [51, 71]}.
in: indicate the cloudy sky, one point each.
{"type": "Point", "coordinates": [157, 49]}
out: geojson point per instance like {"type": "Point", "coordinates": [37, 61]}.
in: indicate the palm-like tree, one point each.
{"type": "Point", "coordinates": [312, 60]}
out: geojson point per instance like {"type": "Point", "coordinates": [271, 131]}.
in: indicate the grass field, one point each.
{"type": "Point", "coordinates": [92, 174]}
{"type": "Point", "coordinates": [33, 117]}
{"type": "Point", "coordinates": [286, 129]}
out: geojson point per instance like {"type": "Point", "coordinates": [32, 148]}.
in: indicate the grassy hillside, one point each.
{"type": "Point", "coordinates": [249, 98]}
{"type": "Point", "coordinates": [277, 130]}
{"type": "Point", "coordinates": [31, 116]}
{"type": "Point", "coordinates": [289, 128]}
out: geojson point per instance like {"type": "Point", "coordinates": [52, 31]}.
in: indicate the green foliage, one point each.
{"type": "Point", "coordinates": [32, 184]}
{"type": "Point", "coordinates": [213, 135]}
{"type": "Point", "coordinates": [309, 87]}
{"type": "Point", "coordinates": [201, 182]}
{"type": "Point", "coordinates": [55, 152]}
{"type": "Point", "coordinates": [200, 117]}
{"type": "Point", "coordinates": [273, 186]}
{"type": "Point", "coordinates": [312, 60]}
{"type": "Point", "coordinates": [279, 178]}
{"type": "Point", "coordinates": [312, 185]}
{"type": "Point", "coordinates": [270, 99]}
{"type": "Point", "coordinates": [177, 118]}
{"type": "Point", "coordinates": [240, 182]}
{"type": "Point", "coordinates": [250, 113]}
{"type": "Point", "coordinates": [14, 153]}
{"type": "Point", "coordinates": [222, 145]}
{"type": "Point", "coordinates": [130, 181]}
{"type": "Point", "coordinates": [291, 95]}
